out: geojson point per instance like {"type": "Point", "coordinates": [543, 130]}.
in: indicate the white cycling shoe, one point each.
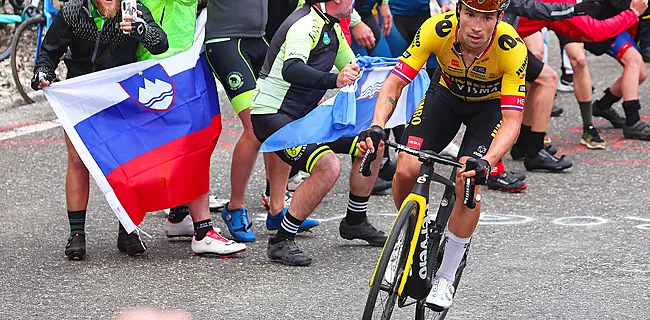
{"type": "Point", "coordinates": [214, 243]}
{"type": "Point", "coordinates": [441, 295]}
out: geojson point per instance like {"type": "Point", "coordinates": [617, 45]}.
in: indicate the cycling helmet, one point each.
{"type": "Point", "coordinates": [487, 5]}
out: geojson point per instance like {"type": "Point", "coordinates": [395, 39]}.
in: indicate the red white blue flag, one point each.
{"type": "Point", "coordinates": [145, 131]}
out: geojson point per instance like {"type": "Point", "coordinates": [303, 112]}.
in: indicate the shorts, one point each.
{"type": "Point", "coordinates": [301, 157]}
{"type": "Point", "coordinates": [237, 62]}
{"type": "Point", "coordinates": [614, 47]}
{"type": "Point", "coordinates": [534, 68]}
{"type": "Point", "coordinates": [436, 121]}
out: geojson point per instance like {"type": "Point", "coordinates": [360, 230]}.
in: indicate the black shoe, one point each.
{"type": "Point", "coordinates": [388, 170]}
{"type": "Point", "coordinates": [640, 131]}
{"type": "Point", "coordinates": [363, 231]}
{"type": "Point", "coordinates": [556, 111]}
{"type": "Point", "coordinates": [545, 161]}
{"type": "Point", "coordinates": [381, 185]}
{"type": "Point", "coordinates": [76, 247]}
{"type": "Point", "coordinates": [610, 114]}
{"type": "Point", "coordinates": [518, 153]}
{"type": "Point", "coordinates": [131, 244]}
{"type": "Point", "coordinates": [645, 53]}
{"type": "Point", "coordinates": [517, 175]}
{"type": "Point", "coordinates": [287, 252]}
{"type": "Point", "coordinates": [506, 183]}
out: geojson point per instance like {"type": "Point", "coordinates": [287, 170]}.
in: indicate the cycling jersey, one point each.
{"type": "Point", "coordinates": [316, 39]}
{"type": "Point", "coordinates": [498, 72]}
{"type": "Point", "coordinates": [179, 29]}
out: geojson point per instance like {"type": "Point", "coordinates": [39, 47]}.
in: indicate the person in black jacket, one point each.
{"type": "Point", "coordinates": [98, 39]}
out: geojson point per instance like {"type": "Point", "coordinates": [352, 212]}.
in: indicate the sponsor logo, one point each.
{"type": "Point", "coordinates": [416, 40]}
{"type": "Point", "coordinates": [414, 142]}
{"type": "Point", "coordinates": [295, 153]}
{"type": "Point", "coordinates": [416, 118]}
{"type": "Point", "coordinates": [443, 28]}
{"type": "Point", "coordinates": [480, 69]}
{"type": "Point", "coordinates": [480, 151]}
{"type": "Point", "coordinates": [423, 178]}
{"type": "Point", "coordinates": [507, 42]}
{"type": "Point", "coordinates": [522, 88]}
{"type": "Point", "coordinates": [235, 80]}
{"type": "Point", "coordinates": [152, 89]}
{"type": "Point", "coordinates": [455, 63]}
{"type": "Point", "coordinates": [521, 72]}
{"type": "Point", "coordinates": [406, 54]}
{"type": "Point", "coordinates": [326, 38]}
{"type": "Point", "coordinates": [424, 234]}
{"type": "Point", "coordinates": [496, 128]}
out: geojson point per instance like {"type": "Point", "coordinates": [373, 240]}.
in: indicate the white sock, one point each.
{"type": "Point", "coordinates": [454, 251]}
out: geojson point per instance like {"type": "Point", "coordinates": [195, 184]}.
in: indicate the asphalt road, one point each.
{"type": "Point", "coordinates": [572, 246]}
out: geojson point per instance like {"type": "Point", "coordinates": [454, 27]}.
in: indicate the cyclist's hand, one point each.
{"type": "Point", "coordinates": [479, 169]}
{"type": "Point", "coordinates": [366, 141]}
{"type": "Point", "coordinates": [363, 35]}
{"type": "Point", "coordinates": [347, 75]}
{"type": "Point", "coordinates": [387, 17]}
{"type": "Point", "coordinates": [446, 7]}
{"type": "Point", "coordinates": [41, 80]}
{"type": "Point", "coordinates": [639, 6]}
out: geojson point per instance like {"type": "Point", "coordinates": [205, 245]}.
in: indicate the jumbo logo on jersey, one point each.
{"type": "Point", "coordinates": [152, 89]}
{"type": "Point", "coordinates": [443, 27]}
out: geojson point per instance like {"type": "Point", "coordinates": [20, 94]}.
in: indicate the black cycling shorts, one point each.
{"type": "Point", "coordinates": [437, 118]}
{"type": "Point", "coordinates": [534, 68]}
{"type": "Point", "coordinates": [237, 63]}
{"type": "Point", "coordinates": [302, 157]}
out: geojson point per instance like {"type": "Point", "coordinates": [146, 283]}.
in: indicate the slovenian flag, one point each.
{"type": "Point", "coordinates": [146, 130]}
{"type": "Point", "coordinates": [352, 109]}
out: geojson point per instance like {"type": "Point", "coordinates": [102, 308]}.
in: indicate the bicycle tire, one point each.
{"type": "Point", "coordinates": [422, 311]}
{"type": "Point", "coordinates": [14, 53]}
{"type": "Point", "coordinates": [404, 224]}
{"type": "Point", "coordinates": [6, 52]}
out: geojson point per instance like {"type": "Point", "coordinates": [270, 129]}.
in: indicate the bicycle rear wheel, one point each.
{"type": "Point", "coordinates": [24, 49]}
{"type": "Point", "coordinates": [391, 265]}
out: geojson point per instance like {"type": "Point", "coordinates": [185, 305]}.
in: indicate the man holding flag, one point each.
{"type": "Point", "coordinates": [294, 78]}
{"type": "Point", "coordinates": [84, 27]}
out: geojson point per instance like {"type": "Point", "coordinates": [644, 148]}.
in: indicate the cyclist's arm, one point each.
{"type": "Point", "coordinates": [295, 70]}
{"type": "Point", "coordinates": [155, 39]}
{"type": "Point", "coordinates": [54, 45]}
{"type": "Point", "coordinates": [407, 68]}
{"type": "Point", "coordinates": [513, 95]}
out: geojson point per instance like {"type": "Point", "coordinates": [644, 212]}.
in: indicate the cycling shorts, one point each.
{"type": "Point", "coordinates": [236, 62]}
{"type": "Point", "coordinates": [534, 68]}
{"type": "Point", "coordinates": [436, 121]}
{"type": "Point", "coordinates": [614, 47]}
{"type": "Point", "coordinates": [301, 157]}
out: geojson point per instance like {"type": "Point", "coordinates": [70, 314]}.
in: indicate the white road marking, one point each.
{"type": "Point", "coordinates": [21, 131]}
{"type": "Point", "coordinates": [580, 221]}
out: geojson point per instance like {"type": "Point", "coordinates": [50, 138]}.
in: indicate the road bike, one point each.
{"type": "Point", "coordinates": [415, 245]}
{"type": "Point", "coordinates": [11, 17]}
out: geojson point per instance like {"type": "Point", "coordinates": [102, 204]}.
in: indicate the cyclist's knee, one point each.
{"type": "Point", "coordinates": [408, 168]}
{"type": "Point", "coordinates": [579, 62]}
{"type": "Point", "coordinates": [548, 77]}
{"type": "Point", "coordinates": [327, 168]}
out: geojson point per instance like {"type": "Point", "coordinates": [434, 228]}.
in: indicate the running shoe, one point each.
{"type": "Point", "coordinates": [592, 139]}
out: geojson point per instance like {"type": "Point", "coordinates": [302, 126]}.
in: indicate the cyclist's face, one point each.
{"type": "Point", "coordinates": [108, 8]}
{"type": "Point", "coordinates": [476, 27]}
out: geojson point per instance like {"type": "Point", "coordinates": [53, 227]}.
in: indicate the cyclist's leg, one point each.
{"type": "Point", "coordinates": [231, 61]}
{"type": "Point", "coordinates": [77, 186]}
{"type": "Point", "coordinates": [433, 125]}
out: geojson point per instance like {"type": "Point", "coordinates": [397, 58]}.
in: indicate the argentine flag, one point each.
{"type": "Point", "coordinates": [146, 130]}
{"type": "Point", "coordinates": [352, 109]}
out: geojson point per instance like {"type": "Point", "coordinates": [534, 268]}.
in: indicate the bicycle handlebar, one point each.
{"type": "Point", "coordinates": [468, 194]}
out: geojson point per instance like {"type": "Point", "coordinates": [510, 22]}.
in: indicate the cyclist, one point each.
{"type": "Point", "coordinates": [480, 82]}
{"type": "Point", "coordinates": [294, 78]}
{"type": "Point", "coordinates": [86, 28]}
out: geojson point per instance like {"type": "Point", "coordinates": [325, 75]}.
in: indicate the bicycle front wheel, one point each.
{"type": "Point", "coordinates": [24, 49]}
{"type": "Point", "coordinates": [390, 268]}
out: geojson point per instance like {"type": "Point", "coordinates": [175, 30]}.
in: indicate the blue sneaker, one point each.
{"type": "Point", "coordinates": [274, 222]}
{"type": "Point", "coordinates": [238, 224]}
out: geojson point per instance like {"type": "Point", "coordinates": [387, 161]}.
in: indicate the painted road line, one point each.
{"type": "Point", "coordinates": [21, 130]}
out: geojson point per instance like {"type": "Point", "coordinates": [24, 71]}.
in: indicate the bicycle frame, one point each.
{"type": "Point", "coordinates": [49, 12]}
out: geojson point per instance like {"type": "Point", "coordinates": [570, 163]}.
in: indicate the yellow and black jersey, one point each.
{"type": "Point", "coordinates": [498, 72]}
